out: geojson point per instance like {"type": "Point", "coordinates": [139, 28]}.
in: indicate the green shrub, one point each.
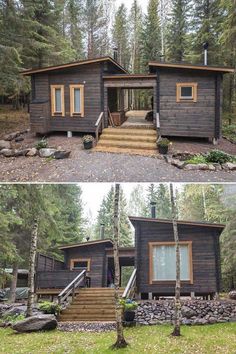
{"type": "Point", "coordinates": [128, 304]}
{"type": "Point", "coordinates": [217, 156]}
{"type": "Point", "coordinates": [13, 318]}
{"type": "Point", "coordinates": [50, 307]}
{"type": "Point", "coordinates": [42, 144]}
{"type": "Point", "coordinates": [197, 159]}
{"type": "Point", "coordinates": [163, 142]}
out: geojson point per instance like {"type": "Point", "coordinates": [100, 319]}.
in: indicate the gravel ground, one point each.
{"type": "Point", "coordinates": [86, 326]}
{"type": "Point", "coordinates": [91, 166]}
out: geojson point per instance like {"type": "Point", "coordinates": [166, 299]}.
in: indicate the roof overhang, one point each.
{"type": "Point", "coordinates": [86, 244]}
{"type": "Point", "coordinates": [135, 219]}
{"type": "Point", "coordinates": [74, 64]}
{"type": "Point", "coordinates": [219, 69]}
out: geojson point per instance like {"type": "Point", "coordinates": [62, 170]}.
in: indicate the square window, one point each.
{"type": "Point", "coordinates": [186, 92]}
{"type": "Point", "coordinates": [80, 263]}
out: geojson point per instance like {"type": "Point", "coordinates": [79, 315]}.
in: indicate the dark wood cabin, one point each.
{"type": "Point", "coordinates": [155, 257]}
{"type": "Point", "coordinates": [185, 100]}
{"type": "Point", "coordinates": [94, 256]}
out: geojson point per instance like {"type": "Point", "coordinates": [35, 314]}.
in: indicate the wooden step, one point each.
{"type": "Point", "coordinates": [79, 306]}
{"type": "Point", "coordinates": [86, 319]}
{"type": "Point", "coordinates": [127, 144]}
{"type": "Point", "coordinates": [88, 311]}
{"type": "Point", "coordinates": [138, 138]}
{"type": "Point", "coordinates": [128, 131]}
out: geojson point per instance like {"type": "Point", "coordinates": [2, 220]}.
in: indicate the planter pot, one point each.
{"type": "Point", "coordinates": [88, 145]}
{"type": "Point", "coordinates": [129, 316]}
{"type": "Point", "coordinates": [163, 149]}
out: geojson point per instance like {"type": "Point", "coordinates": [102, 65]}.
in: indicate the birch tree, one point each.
{"type": "Point", "coordinates": [120, 341]}
{"type": "Point", "coordinates": [32, 259]}
{"type": "Point", "coordinates": [176, 331]}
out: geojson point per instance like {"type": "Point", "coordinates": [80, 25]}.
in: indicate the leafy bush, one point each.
{"type": "Point", "coordinates": [13, 318]}
{"type": "Point", "coordinates": [217, 156]}
{"type": "Point", "coordinates": [197, 159]}
{"type": "Point", "coordinates": [87, 138]}
{"type": "Point", "coordinates": [50, 307]}
{"type": "Point", "coordinates": [163, 142]}
{"type": "Point", "coordinates": [128, 304]}
{"type": "Point", "coordinates": [42, 144]}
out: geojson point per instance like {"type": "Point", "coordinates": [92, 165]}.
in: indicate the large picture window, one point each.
{"type": "Point", "coordinates": [57, 100]}
{"type": "Point", "coordinates": [163, 261]}
{"type": "Point", "coordinates": [186, 92]}
{"type": "Point", "coordinates": [76, 100]}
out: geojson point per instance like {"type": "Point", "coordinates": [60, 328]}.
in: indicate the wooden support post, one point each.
{"type": "Point", "coordinates": [149, 296]}
{"type": "Point", "coordinates": [192, 295]}
{"type": "Point", "coordinates": [69, 134]}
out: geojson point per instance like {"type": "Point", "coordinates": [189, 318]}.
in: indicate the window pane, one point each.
{"type": "Point", "coordinates": [58, 100]}
{"type": "Point", "coordinates": [186, 91]}
{"type": "Point", "coordinates": [77, 100]}
{"type": "Point", "coordinates": [164, 263]}
{"type": "Point", "coordinates": [80, 264]}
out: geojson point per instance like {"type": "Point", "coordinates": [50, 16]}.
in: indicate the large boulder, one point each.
{"type": "Point", "coordinates": [36, 323]}
{"type": "Point", "coordinates": [15, 311]}
{"type": "Point", "coordinates": [5, 144]}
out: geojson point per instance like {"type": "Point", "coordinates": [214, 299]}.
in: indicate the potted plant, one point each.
{"type": "Point", "coordinates": [88, 141]}
{"type": "Point", "coordinates": [163, 145]}
{"type": "Point", "coordinates": [129, 307]}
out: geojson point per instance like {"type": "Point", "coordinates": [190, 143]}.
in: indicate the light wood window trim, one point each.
{"type": "Point", "coordinates": [88, 260]}
{"type": "Point", "coordinates": [190, 252]}
{"type": "Point", "coordinates": [53, 101]}
{"type": "Point", "coordinates": [194, 86]}
{"type": "Point", "coordinates": [72, 108]}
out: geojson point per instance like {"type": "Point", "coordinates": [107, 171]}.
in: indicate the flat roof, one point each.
{"type": "Point", "coordinates": [220, 69]}
{"type": "Point", "coordinates": [74, 64]}
{"type": "Point", "coordinates": [181, 222]}
{"type": "Point", "coordinates": [88, 243]}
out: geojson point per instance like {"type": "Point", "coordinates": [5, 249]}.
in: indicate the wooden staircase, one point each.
{"type": "Point", "coordinates": [127, 139]}
{"type": "Point", "coordinates": [91, 305]}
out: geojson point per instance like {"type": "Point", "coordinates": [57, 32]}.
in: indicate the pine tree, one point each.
{"type": "Point", "coordinates": [136, 19]}
{"type": "Point", "coordinates": [105, 216]}
{"type": "Point", "coordinates": [177, 31]}
{"type": "Point", "coordinates": [151, 36]}
{"type": "Point", "coordinates": [74, 19]}
{"type": "Point", "coordinates": [207, 19]}
{"type": "Point", "coordinates": [158, 193]}
{"type": "Point", "coordinates": [120, 36]}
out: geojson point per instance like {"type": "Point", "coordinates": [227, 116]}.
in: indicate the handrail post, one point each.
{"type": "Point", "coordinates": [73, 293]}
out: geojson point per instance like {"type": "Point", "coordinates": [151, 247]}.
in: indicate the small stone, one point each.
{"type": "Point", "coordinates": [4, 144]}
{"type": "Point", "coordinates": [229, 166]}
{"type": "Point", "coordinates": [211, 167]}
{"type": "Point", "coordinates": [178, 163]}
{"type": "Point", "coordinates": [190, 167]}
{"type": "Point", "coordinates": [47, 152]}
{"type": "Point", "coordinates": [22, 152]}
{"type": "Point", "coordinates": [232, 295]}
{"type": "Point", "coordinates": [8, 152]}
{"type": "Point", "coordinates": [32, 152]}
{"type": "Point", "coordinates": [217, 166]}
{"type": "Point", "coordinates": [12, 136]}
{"type": "Point", "coordinates": [19, 138]}
{"type": "Point", "coordinates": [61, 154]}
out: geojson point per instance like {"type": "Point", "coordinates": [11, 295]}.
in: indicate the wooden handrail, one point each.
{"type": "Point", "coordinates": [99, 123]}
{"type": "Point", "coordinates": [70, 288]}
{"type": "Point", "coordinates": [130, 285]}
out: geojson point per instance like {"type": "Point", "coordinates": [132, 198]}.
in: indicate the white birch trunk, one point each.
{"type": "Point", "coordinates": [33, 252]}
{"type": "Point", "coordinates": [12, 296]}
{"type": "Point", "coordinates": [176, 331]}
{"type": "Point", "coordinates": [120, 342]}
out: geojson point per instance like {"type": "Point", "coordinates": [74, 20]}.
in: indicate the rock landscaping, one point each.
{"type": "Point", "coordinates": [9, 148]}
{"type": "Point", "coordinates": [214, 160]}
{"type": "Point", "coordinates": [193, 312]}
{"type": "Point", "coordinates": [87, 326]}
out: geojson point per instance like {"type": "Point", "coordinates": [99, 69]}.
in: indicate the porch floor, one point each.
{"type": "Point", "coordinates": [136, 119]}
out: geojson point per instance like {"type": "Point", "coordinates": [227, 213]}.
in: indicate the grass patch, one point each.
{"type": "Point", "coordinates": [219, 338]}
{"type": "Point", "coordinates": [229, 131]}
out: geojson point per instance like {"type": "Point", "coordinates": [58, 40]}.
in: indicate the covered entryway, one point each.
{"type": "Point", "coordinates": [130, 100]}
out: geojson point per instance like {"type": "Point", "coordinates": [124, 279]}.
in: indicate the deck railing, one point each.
{"type": "Point", "coordinates": [70, 289]}
{"type": "Point", "coordinates": [130, 287]}
{"type": "Point", "coordinates": [100, 123]}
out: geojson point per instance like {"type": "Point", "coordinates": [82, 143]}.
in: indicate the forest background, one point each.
{"type": "Point", "coordinates": [47, 32]}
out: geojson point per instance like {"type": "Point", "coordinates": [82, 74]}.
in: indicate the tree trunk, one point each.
{"type": "Point", "coordinates": [12, 295]}
{"type": "Point", "coordinates": [176, 331]}
{"type": "Point", "coordinates": [120, 342]}
{"type": "Point", "coordinates": [33, 251]}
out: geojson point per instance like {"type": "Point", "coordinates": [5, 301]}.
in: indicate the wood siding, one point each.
{"type": "Point", "coordinates": [45, 263]}
{"type": "Point", "coordinates": [191, 119]}
{"type": "Point", "coordinates": [205, 254]}
{"type": "Point", "coordinates": [96, 254]}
